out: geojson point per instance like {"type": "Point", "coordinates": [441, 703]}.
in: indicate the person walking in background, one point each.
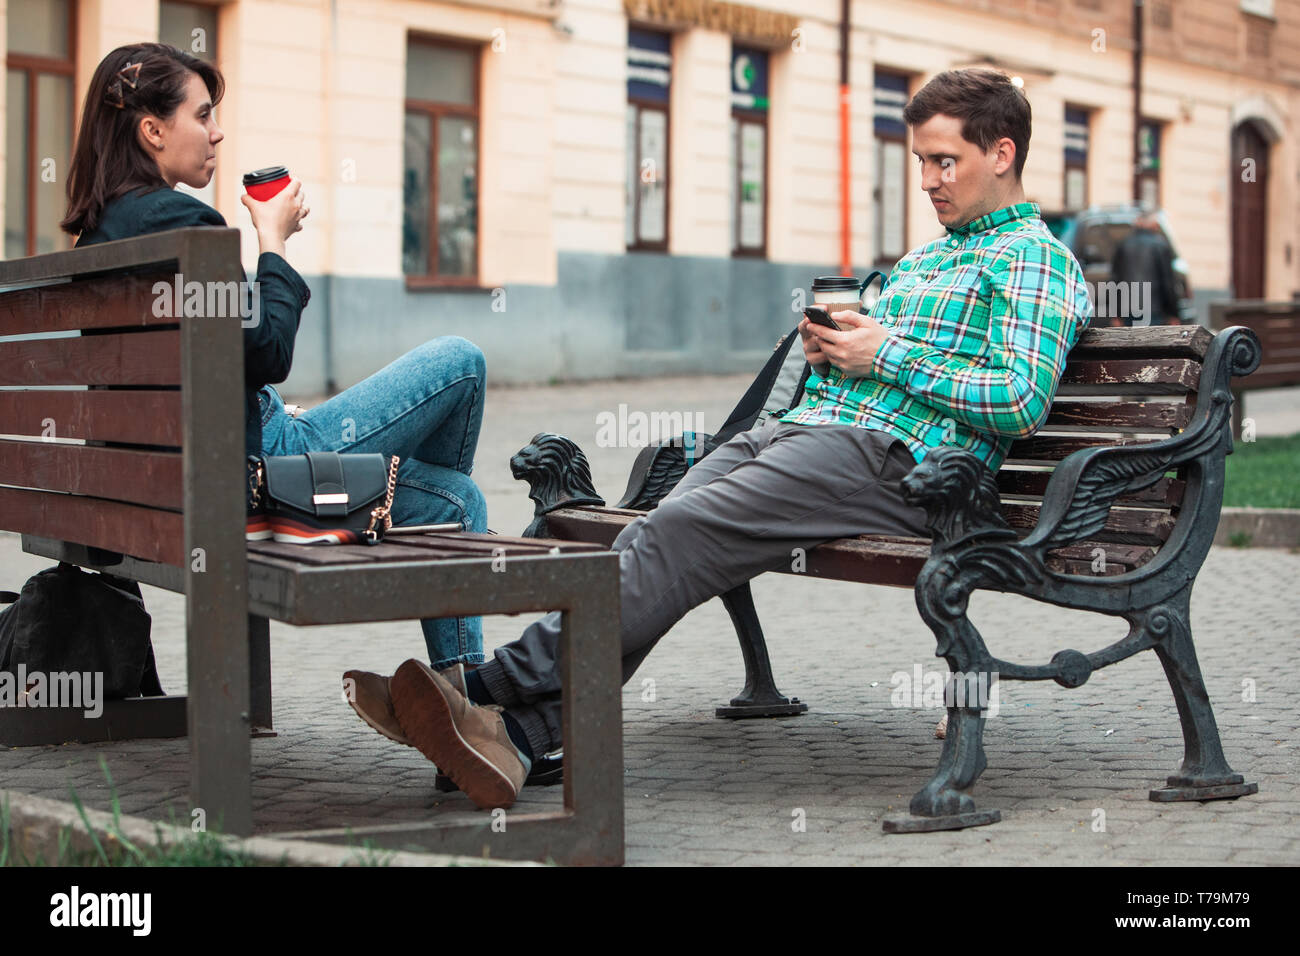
{"type": "Point", "coordinates": [1145, 256]}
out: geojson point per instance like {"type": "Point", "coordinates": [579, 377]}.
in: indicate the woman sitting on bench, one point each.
{"type": "Point", "coordinates": [148, 125]}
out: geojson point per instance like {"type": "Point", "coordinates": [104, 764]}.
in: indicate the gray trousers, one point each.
{"type": "Point", "coordinates": [741, 511]}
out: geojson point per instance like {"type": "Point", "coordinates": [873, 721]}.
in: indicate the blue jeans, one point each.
{"type": "Point", "coordinates": [426, 407]}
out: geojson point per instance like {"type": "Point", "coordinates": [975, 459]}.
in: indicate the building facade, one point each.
{"type": "Point", "coordinates": [596, 188]}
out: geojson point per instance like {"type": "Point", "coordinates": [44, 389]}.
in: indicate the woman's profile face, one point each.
{"type": "Point", "coordinates": [188, 140]}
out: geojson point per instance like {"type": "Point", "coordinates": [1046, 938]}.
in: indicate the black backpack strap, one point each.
{"type": "Point", "coordinates": [750, 405]}
{"type": "Point", "coordinates": [862, 289]}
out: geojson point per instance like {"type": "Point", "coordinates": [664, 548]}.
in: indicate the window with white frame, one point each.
{"type": "Point", "coordinates": [40, 63]}
{"type": "Point", "coordinates": [649, 78]}
{"type": "Point", "coordinates": [889, 197]}
{"type": "Point", "coordinates": [440, 164]}
{"type": "Point", "coordinates": [1077, 123]}
{"type": "Point", "coordinates": [1149, 162]}
{"type": "Point", "coordinates": [748, 178]}
{"type": "Point", "coordinates": [192, 27]}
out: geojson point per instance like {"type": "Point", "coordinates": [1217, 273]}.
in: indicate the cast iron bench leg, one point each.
{"type": "Point", "coordinates": [945, 803]}
{"type": "Point", "coordinates": [760, 698]}
{"type": "Point", "coordinates": [1204, 774]}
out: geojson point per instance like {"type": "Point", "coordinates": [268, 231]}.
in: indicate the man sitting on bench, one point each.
{"type": "Point", "coordinates": [965, 347]}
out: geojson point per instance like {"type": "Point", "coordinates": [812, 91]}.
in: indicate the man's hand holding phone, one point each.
{"type": "Point", "coordinates": [850, 347]}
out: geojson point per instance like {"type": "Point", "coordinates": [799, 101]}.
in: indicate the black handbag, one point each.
{"type": "Point", "coordinates": [72, 622]}
{"type": "Point", "coordinates": [324, 497]}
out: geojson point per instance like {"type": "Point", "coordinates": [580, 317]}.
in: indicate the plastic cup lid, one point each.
{"type": "Point", "coordinates": [265, 175]}
{"type": "Point", "coordinates": [836, 284]}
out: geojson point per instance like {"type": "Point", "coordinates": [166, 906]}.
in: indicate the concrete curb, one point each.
{"type": "Point", "coordinates": [1266, 527]}
{"type": "Point", "coordinates": [35, 825]}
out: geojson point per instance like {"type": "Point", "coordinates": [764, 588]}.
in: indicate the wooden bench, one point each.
{"type": "Point", "coordinates": [1277, 326]}
{"type": "Point", "coordinates": [128, 457]}
{"type": "Point", "coordinates": [1110, 507]}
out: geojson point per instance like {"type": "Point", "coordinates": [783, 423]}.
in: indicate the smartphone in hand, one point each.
{"type": "Point", "coordinates": [820, 317]}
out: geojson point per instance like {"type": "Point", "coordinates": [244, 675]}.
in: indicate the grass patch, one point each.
{"type": "Point", "coordinates": [113, 848]}
{"type": "Point", "coordinates": [201, 848]}
{"type": "Point", "coordinates": [1263, 474]}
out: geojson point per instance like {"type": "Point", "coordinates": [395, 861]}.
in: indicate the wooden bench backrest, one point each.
{"type": "Point", "coordinates": [1120, 386]}
{"type": "Point", "coordinates": [1278, 326]}
{"type": "Point", "coordinates": [129, 436]}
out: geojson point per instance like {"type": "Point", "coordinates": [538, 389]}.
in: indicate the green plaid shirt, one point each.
{"type": "Point", "coordinates": [979, 325]}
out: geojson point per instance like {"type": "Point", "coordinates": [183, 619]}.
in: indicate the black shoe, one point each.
{"type": "Point", "coordinates": [547, 772]}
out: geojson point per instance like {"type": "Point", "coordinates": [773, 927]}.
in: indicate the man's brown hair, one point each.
{"type": "Point", "coordinates": [988, 104]}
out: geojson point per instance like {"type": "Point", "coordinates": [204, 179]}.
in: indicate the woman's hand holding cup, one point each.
{"type": "Point", "coordinates": [279, 217]}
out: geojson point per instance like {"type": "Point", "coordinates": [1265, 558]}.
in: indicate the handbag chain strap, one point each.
{"type": "Point", "coordinates": [255, 485]}
{"type": "Point", "coordinates": [382, 514]}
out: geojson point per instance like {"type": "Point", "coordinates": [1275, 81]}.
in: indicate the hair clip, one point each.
{"type": "Point", "coordinates": [130, 74]}
{"type": "Point", "coordinates": [114, 96]}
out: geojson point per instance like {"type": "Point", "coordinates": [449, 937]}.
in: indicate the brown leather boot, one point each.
{"type": "Point", "coordinates": [469, 744]}
{"type": "Point", "coordinates": [369, 696]}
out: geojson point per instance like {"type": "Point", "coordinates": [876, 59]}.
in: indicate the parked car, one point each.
{"type": "Point", "coordinates": [1093, 233]}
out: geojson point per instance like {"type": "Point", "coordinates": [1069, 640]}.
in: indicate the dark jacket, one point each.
{"type": "Point", "coordinates": [268, 345]}
{"type": "Point", "coordinates": [1145, 256]}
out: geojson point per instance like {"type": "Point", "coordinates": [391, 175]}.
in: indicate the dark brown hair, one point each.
{"type": "Point", "coordinates": [142, 79]}
{"type": "Point", "coordinates": [988, 104]}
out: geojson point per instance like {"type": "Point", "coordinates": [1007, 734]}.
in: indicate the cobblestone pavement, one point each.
{"type": "Point", "coordinates": [1070, 770]}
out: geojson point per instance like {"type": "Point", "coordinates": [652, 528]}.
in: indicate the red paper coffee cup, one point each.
{"type": "Point", "coordinates": [262, 184]}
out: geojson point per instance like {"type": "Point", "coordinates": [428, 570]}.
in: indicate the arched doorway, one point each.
{"type": "Point", "coordinates": [1250, 149]}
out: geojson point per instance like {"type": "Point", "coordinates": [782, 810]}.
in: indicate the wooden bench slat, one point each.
{"type": "Point", "coordinates": [601, 526]}
{"type": "Point", "coordinates": [1057, 447]}
{"type": "Point", "coordinates": [890, 560]}
{"type": "Point", "coordinates": [145, 533]}
{"type": "Point", "coordinates": [1280, 333]}
{"type": "Point", "coordinates": [1160, 341]}
{"type": "Point", "coordinates": [1119, 558]}
{"type": "Point", "coordinates": [1123, 525]}
{"type": "Point", "coordinates": [868, 561]}
{"type": "Point", "coordinates": [321, 555]}
{"type": "Point", "coordinates": [484, 544]}
{"type": "Point", "coordinates": [1028, 484]}
{"type": "Point", "coordinates": [1152, 415]}
{"type": "Point", "coordinates": [131, 417]}
{"type": "Point", "coordinates": [139, 358]}
{"type": "Point", "coordinates": [1276, 376]}
{"type": "Point", "coordinates": [1265, 324]}
{"type": "Point", "coordinates": [1135, 375]}
{"type": "Point", "coordinates": [413, 548]}
{"type": "Point", "coordinates": [121, 301]}
{"type": "Point", "coordinates": [141, 477]}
